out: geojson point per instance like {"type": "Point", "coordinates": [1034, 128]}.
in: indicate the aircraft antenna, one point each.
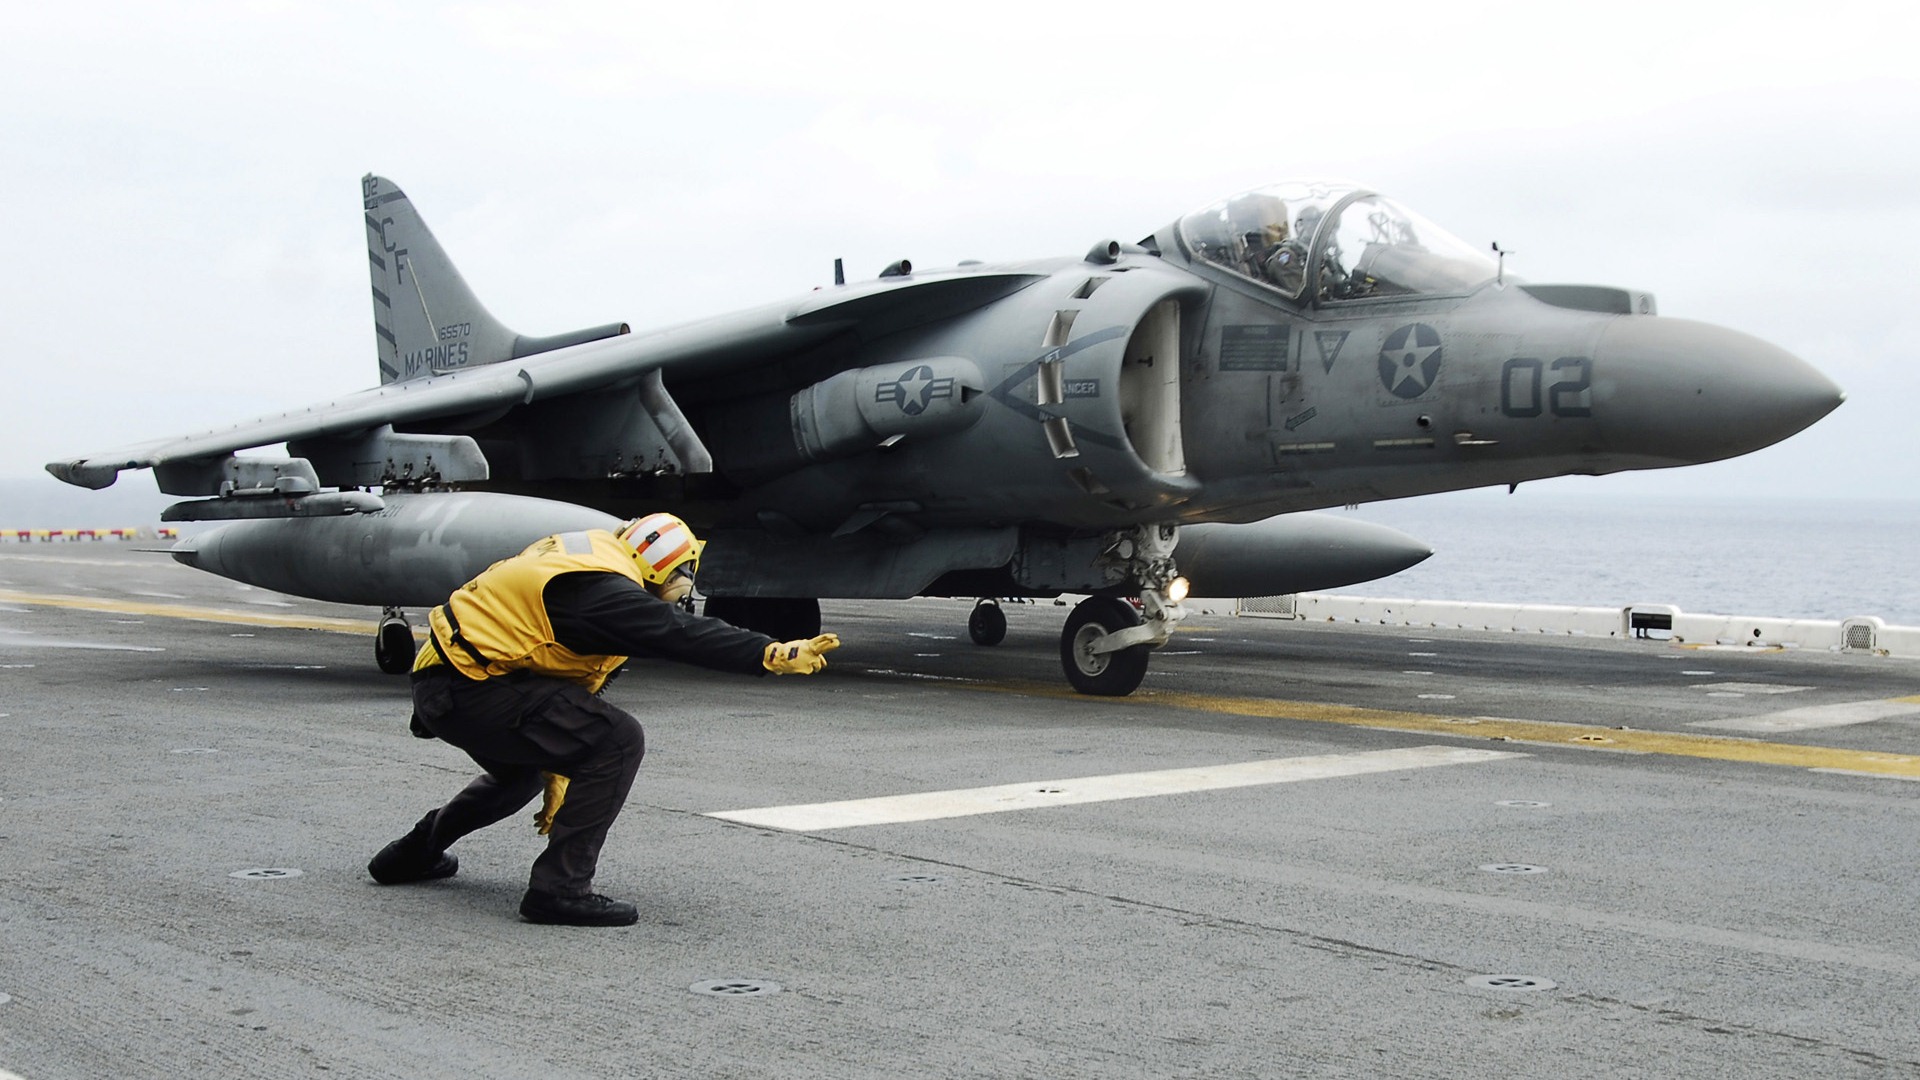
{"type": "Point", "coordinates": [1500, 272]}
{"type": "Point", "coordinates": [839, 272]}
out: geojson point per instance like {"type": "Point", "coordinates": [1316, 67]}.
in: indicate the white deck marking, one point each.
{"type": "Point", "coordinates": [1871, 775]}
{"type": "Point", "coordinates": [1816, 716]}
{"type": "Point", "coordinates": [51, 643]}
{"type": "Point", "coordinates": [1751, 687]}
{"type": "Point", "coordinates": [82, 562]}
{"type": "Point", "coordinates": [927, 806]}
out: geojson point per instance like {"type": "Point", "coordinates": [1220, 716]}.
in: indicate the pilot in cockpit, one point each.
{"type": "Point", "coordinates": [1331, 271]}
{"type": "Point", "coordinates": [1285, 263]}
{"type": "Point", "coordinates": [1268, 250]}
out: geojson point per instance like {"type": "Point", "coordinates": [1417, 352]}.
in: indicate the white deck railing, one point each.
{"type": "Point", "coordinates": [1864, 633]}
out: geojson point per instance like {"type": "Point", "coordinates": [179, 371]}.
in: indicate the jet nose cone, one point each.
{"type": "Point", "coordinates": [1687, 392]}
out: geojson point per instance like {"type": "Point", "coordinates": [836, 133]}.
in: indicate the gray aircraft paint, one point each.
{"type": "Point", "coordinates": [871, 439]}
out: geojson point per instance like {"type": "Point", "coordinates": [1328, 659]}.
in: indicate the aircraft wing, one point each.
{"type": "Point", "coordinates": [712, 346]}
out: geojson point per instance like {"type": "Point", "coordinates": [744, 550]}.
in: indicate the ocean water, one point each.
{"type": "Point", "coordinates": [1795, 558]}
{"type": "Point", "coordinates": [1804, 558]}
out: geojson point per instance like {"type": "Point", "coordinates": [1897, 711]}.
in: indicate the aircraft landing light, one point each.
{"type": "Point", "coordinates": [932, 805]}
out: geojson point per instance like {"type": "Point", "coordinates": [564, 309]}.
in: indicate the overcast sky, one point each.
{"type": "Point", "coordinates": [181, 180]}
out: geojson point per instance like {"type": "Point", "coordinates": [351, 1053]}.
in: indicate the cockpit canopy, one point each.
{"type": "Point", "coordinates": [1333, 243]}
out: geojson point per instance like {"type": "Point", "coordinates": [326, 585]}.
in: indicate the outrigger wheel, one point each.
{"type": "Point", "coordinates": [393, 644]}
{"type": "Point", "coordinates": [987, 625]}
{"type": "Point", "coordinates": [1112, 674]}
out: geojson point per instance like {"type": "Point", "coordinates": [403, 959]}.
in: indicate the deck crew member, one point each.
{"type": "Point", "coordinates": [518, 657]}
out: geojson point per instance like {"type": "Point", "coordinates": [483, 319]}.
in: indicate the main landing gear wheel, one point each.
{"type": "Point", "coordinates": [393, 644]}
{"type": "Point", "coordinates": [784, 618]}
{"type": "Point", "coordinates": [987, 625]}
{"type": "Point", "coordinates": [1114, 674]}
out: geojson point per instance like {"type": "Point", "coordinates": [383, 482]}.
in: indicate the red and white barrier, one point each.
{"type": "Point", "coordinates": [47, 536]}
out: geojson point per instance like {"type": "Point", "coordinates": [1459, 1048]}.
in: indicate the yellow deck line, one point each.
{"type": "Point", "coordinates": [196, 614]}
{"type": "Point", "coordinates": [1539, 732]}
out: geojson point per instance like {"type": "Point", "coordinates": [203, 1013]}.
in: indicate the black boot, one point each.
{"type": "Point", "coordinates": [589, 910]}
{"type": "Point", "coordinates": [412, 858]}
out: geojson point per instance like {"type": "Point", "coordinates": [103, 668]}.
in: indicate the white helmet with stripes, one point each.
{"type": "Point", "coordinates": [663, 545]}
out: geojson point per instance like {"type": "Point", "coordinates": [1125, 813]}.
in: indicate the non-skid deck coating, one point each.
{"type": "Point", "coordinates": [1730, 865]}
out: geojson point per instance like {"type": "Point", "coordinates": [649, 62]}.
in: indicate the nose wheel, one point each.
{"type": "Point", "coordinates": [1114, 673]}
{"type": "Point", "coordinates": [393, 644]}
{"type": "Point", "coordinates": [987, 625]}
{"type": "Point", "coordinates": [1106, 642]}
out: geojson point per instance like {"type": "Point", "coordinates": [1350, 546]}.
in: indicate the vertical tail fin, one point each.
{"type": "Point", "coordinates": [426, 320]}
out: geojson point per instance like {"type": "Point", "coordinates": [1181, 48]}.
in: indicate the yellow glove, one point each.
{"type": "Point", "coordinates": [799, 657]}
{"type": "Point", "coordinates": [550, 801]}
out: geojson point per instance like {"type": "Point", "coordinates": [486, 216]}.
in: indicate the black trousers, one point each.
{"type": "Point", "coordinates": [514, 728]}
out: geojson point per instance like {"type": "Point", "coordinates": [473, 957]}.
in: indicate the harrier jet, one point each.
{"type": "Point", "coordinates": [1130, 424]}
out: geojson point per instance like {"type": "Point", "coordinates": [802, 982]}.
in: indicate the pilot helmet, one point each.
{"type": "Point", "coordinates": [1308, 221]}
{"type": "Point", "coordinates": [1258, 218]}
{"type": "Point", "coordinates": [666, 551]}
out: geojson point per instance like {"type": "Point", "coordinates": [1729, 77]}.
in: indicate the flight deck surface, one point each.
{"type": "Point", "coordinates": [1301, 849]}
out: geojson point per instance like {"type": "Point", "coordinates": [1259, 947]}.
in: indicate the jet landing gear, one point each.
{"type": "Point", "coordinates": [1114, 673]}
{"type": "Point", "coordinates": [987, 625]}
{"type": "Point", "coordinates": [1105, 645]}
{"type": "Point", "coordinates": [393, 645]}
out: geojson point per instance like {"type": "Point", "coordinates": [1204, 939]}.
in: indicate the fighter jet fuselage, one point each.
{"type": "Point", "coordinates": [1155, 386]}
{"type": "Point", "coordinates": [993, 430]}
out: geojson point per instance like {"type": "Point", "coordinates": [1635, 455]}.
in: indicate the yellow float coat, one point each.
{"type": "Point", "coordinates": [497, 623]}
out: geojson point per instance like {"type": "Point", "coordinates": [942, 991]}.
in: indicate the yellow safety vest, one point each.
{"type": "Point", "coordinates": [497, 623]}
